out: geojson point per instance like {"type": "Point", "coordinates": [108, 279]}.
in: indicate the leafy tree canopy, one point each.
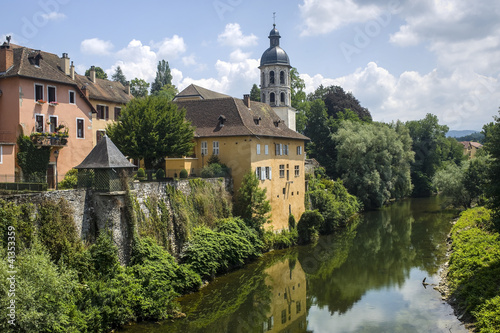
{"type": "Point", "coordinates": [99, 73]}
{"type": "Point", "coordinates": [119, 76]}
{"type": "Point", "coordinates": [168, 91]}
{"type": "Point", "coordinates": [492, 146]}
{"type": "Point", "coordinates": [255, 93]}
{"type": "Point", "coordinates": [152, 128]}
{"type": "Point", "coordinates": [139, 88]}
{"type": "Point", "coordinates": [163, 77]}
{"type": "Point", "coordinates": [299, 99]}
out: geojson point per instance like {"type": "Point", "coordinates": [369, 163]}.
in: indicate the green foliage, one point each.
{"type": "Point", "coordinates": [139, 88]}
{"type": "Point", "coordinates": [255, 93]}
{"type": "Point", "coordinates": [160, 174]}
{"type": "Point", "coordinates": [183, 174]}
{"type": "Point", "coordinates": [70, 180]}
{"type": "Point", "coordinates": [214, 170]}
{"type": "Point", "coordinates": [492, 146]}
{"type": "Point", "coordinates": [152, 128]}
{"type": "Point", "coordinates": [374, 161]}
{"type": "Point", "coordinates": [475, 267]}
{"type": "Point", "coordinates": [20, 218]}
{"type": "Point", "coordinates": [119, 76]}
{"type": "Point", "coordinates": [291, 222]}
{"type": "Point", "coordinates": [163, 77]}
{"type": "Point", "coordinates": [99, 73]}
{"type": "Point", "coordinates": [168, 92]}
{"type": "Point", "coordinates": [214, 159]}
{"type": "Point", "coordinates": [280, 240]}
{"type": "Point", "coordinates": [475, 137]}
{"type": "Point", "coordinates": [32, 160]}
{"type": "Point", "coordinates": [309, 225]}
{"type": "Point", "coordinates": [210, 252]}
{"type": "Point", "coordinates": [141, 173]}
{"type": "Point", "coordinates": [251, 203]}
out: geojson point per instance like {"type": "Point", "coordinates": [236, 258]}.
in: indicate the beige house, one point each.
{"type": "Point", "coordinates": [246, 136]}
{"type": "Point", "coordinates": [470, 148]}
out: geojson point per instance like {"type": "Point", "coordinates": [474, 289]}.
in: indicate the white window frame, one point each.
{"type": "Point", "coordinates": [268, 173]}
{"type": "Point", "coordinates": [55, 93]}
{"type": "Point", "coordinates": [266, 149]}
{"type": "Point", "coordinates": [285, 149]}
{"type": "Point", "coordinates": [83, 128]}
{"type": "Point", "coordinates": [296, 170]}
{"type": "Point", "coordinates": [204, 148]}
{"type": "Point", "coordinates": [279, 149]}
{"type": "Point", "coordinates": [258, 149]}
{"type": "Point", "coordinates": [34, 95]}
{"type": "Point", "coordinates": [282, 171]}
{"type": "Point", "coordinates": [50, 123]}
{"type": "Point", "coordinates": [71, 92]}
{"type": "Point", "coordinates": [258, 173]}
{"type": "Point", "coordinates": [43, 122]}
{"type": "Point", "coordinates": [1, 154]}
{"type": "Point", "coordinates": [215, 147]}
{"type": "Point", "coordinates": [299, 150]}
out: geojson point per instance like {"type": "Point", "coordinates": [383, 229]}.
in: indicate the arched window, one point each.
{"type": "Point", "coordinates": [283, 97]}
{"type": "Point", "coordinates": [271, 98]}
{"type": "Point", "coordinates": [262, 83]}
{"type": "Point", "coordinates": [271, 77]}
{"type": "Point", "coordinates": [282, 77]}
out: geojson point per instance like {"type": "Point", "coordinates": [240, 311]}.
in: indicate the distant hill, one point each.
{"type": "Point", "coordinates": [457, 134]}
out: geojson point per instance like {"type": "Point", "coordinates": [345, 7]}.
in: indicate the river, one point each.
{"type": "Point", "coordinates": [365, 279]}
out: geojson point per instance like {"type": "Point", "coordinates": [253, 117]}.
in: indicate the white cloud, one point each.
{"type": "Point", "coordinates": [232, 36]}
{"type": "Point", "coordinates": [171, 48]}
{"type": "Point", "coordinates": [462, 99]}
{"type": "Point", "coordinates": [189, 60]}
{"type": "Point", "coordinates": [53, 16]}
{"type": "Point", "coordinates": [320, 17]}
{"type": "Point", "coordinates": [96, 46]}
{"type": "Point", "coordinates": [136, 60]}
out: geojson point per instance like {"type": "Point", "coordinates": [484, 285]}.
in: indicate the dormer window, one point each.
{"type": "Point", "coordinates": [277, 122]}
{"type": "Point", "coordinates": [222, 120]}
{"type": "Point", "coordinates": [257, 120]}
{"type": "Point", "coordinates": [34, 59]}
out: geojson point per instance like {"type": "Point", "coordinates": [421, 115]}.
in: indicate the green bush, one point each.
{"type": "Point", "coordinates": [214, 170]}
{"type": "Point", "coordinates": [280, 240]}
{"type": "Point", "coordinates": [308, 226]}
{"type": "Point", "coordinates": [20, 218]}
{"type": "Point", "coordinates": [291, 222]}
{"type": "Point", "coordinates": [141, 174]}
{"type": "Point", "coordinates": [160, 174]}
{"type": "Point", "coordinates": [183, 174]}
{"type": "Point", "coordinates": [69, 181]}
{"type": "Point", "coordinates": [488, 315]}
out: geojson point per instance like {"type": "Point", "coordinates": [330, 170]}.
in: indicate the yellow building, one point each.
{"type": "Point", "coordinates": [246, 135]}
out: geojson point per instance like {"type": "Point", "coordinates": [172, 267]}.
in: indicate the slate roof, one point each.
{"type": "Point", "coordinates": [105, 155]}
{"type": "Point", "coordinates": [194, 91]}
{"type": "Point", "coordinates": [239, 119]}
{"type": "Point", "coordinates": [104, 90]}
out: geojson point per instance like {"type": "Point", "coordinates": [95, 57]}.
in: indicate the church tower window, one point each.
{"type": "Point", "coordinates": [271, 98]}
{"type": "Point", "coordinates": [282, 77]}
{"type": "Point", "coordinates": [271, 77]}
{"type": "Point", "coordinates": [282, 97]}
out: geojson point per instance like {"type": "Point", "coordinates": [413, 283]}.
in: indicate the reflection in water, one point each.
{"type": "Point", "coordinates": [366, 279]}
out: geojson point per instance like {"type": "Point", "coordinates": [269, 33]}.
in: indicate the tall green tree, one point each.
{"type": "Point", "coordinates": [251, 203]}
{"type": "Point", "coordinates": [139, 88]}
{"type": "Point", "coordinates": [152, 128]}
{"type": "Point", "coordinates": [492, 146]}
{"type": "Point", "coordinates": [299, 99]}
{"type": "Point", "coordinates": [99, 73]}
{"type": "Point", "coordinates": [374, 161]}
{"type": "Point", "coordinates": [255, 93]}
{"type": "Point", "coordinates": [168, 91]}
{"type": "Point", "coordinates": [163, 77]}
{"type": "Point", "coordinates": [119, 76]}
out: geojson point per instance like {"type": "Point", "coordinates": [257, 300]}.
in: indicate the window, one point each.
{"type": "Point", "coordinates": [204, 148]}
{"type": "Point", "coordinates": [51, 94]}
{"type": "Point", "coordinates": [102, 112]}
{"type": "Point", "coordinates": [282, 97]}
{"type": "Point", "coordinates": [258, 173]}
{"type": "Point", "coordinates": [262, 83]}
{"type": "Point", "coordinates": [299, 150]}
{"type": "Point", "coordinates": [53, 123]}
{"type": "Point", "coordinates": [271, 98]}
{"type": "Point", "coordinates": [298, 306]}
{"type": "Point", "coordinates": [71, 97]}
{"type": "Point", "coordinates": [118, 111]}
{"type": "Point", "coordinates": [285, 149]}
{"type": "Point", "coordinates": [282, 171]}
{"type": "Point", "coordinates": [279, 149]}
{"type": "Point", "coordinates": [282, 77]}
{"type": "Point", "coordinates": [1, 154]}
{"type": "Point", "coordinates": [283, 316]}
{"type": "Point", "coordinates": [215, 147]}
{"type": "Point", "coordinates": [80, 123]}
{"type": "Point", "coordinates": [266, 150]}
{"type": "Point", "coordinates": [39, 123]}
{"type": "Point", "coordinates": [268, 172]}
{"type": "Point", "coordinates": [271, 77]}
{"type": "Point", "coordinates": [99, 135]}
{"type": "Point", "coordinates": [38, 92]}
{"type": "Point", "coordinates": [297, 171]}
{"type": "Point", "coordinates": [258, 149]}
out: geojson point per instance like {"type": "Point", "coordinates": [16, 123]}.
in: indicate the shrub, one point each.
{"type": "Point", "coordinates": [214, 170]}
{"type": "Point", "coordinates": [308, 226]}
{"type": "Point", "coordinates": [141, 174]}
{"type": "Point", "coordinates": [183, 174]}
{"type": "Point", "coordinates": [291, 222]}
{"type": "Point", "coordinates": [160, 174]}
{"type": "Point", "coordinates": [214, 159]}
{"type": "Point", "coordinates": [488, 315]}
{"type": "Point", "coordinates": [280, 240]}
{"type": "Point", "coordinates": [70, 180]}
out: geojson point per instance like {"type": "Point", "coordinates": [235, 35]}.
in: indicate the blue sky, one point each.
{"type": "Point", "coordinates": [401, 58]}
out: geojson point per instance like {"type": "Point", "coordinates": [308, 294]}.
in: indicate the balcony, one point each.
{"type": "Point", "coordinates": [48, 139]}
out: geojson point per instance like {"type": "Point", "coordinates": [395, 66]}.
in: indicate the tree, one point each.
{"type": "Point", "coordinates": [152, 128]}
{"type": "Point", "coordinates": [374, 161]}
{"type": "Point", "coordinates": [119, 76]}
{"type": "Point", "coordinates": [255, 93]}
{"type": "Point", "coordinates": [99, 73]}
{"type": "Point", "coordinates": [299, 99]}
{"type": "Point", "coordinates": [492, 146]}
{"type": "Point", "coordinates": [32, 160]}
{"type": "Point", "coordinates": [168, 91]}
{"type": "Point", "coordinates": [163, 77]}
{"type": "Point", "coordinates": [139, 88]}
{"type": "Point", "coordinates": [251, 203]}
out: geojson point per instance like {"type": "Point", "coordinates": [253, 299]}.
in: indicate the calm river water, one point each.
{"type": "Point", "coordinates": [367, 279]}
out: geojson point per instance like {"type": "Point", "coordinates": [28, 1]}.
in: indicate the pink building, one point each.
{"type": "Point", "coordinates": [39, 97]}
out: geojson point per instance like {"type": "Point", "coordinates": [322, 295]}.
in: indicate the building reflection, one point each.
{"type": "Point", "coordinates": [287, 281]}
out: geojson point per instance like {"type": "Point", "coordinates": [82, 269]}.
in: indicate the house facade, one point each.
{"type": "Point", "coordinates": [39, 99]}
{"type": "Point", "coordinates": [247, 136]}
{"type": "Point", "coordinates": [471, 148]}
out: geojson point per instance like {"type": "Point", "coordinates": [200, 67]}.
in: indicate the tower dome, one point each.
{"type": "Point", "coordinates": [274, 54]}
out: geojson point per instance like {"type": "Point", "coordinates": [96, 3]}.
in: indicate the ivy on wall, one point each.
{"type": "Point", "coordinates": [33, 160]}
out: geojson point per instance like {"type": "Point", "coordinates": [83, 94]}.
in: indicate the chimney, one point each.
{"type": "Point", "coordinates": [6, 56]}
{"type": "Point", "coordinates": [246, 100]}
{"type": "Point", "coordinates": [65, 64]}
{"type": "Point", "coordinates": [127, 89]}
{"type": "Point", "coordinates": [72, 71]}
{"type": "Point", "coordinates": [85, 91]}
{"type": "Point", "coordinates": [92, 74]}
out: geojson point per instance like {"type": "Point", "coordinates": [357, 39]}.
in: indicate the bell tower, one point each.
{"type": "Point", "coordinates": [275, 79]}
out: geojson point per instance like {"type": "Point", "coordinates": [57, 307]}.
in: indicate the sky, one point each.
{"type": "Point", "coordinates": [401, 59]}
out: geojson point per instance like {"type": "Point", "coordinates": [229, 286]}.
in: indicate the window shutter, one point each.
{"type": "Point", "coordinates": [262, 175]}
{"type": "Point", "coordinates": [107, 112]}
{"type": "Point", "coordinates": [270, 172]}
